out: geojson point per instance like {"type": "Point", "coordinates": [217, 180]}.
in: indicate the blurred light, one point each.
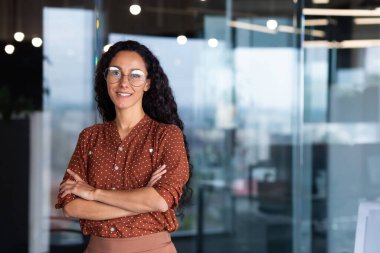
{"type": "Point", "coordinates": [181, 39]}
{"type": "Point", "coordinates": [97, 23]}
{"type": "Point", "coordinates": [203, 0]}
{"type": "Point", "coordinates": [316, 33]}
{"type": "Point", "coordinates": [343, 44]}
{"type": "Point", "coordinates": [320, 43]}
{"type": "Point", "coordinates": [9, 49]}
{"type": "Point", "coordinates": [37, 42]}
{"type": "Point", "coordinates": [280, 28]}
{"type": "Point", "coordinates": [367, 21]}
{"type": "Point", "coordinates": [359, 43]}
{"type": "Point", "coordinates": [252, 27]}
{"type": "Point", "coordinates": [291, 29]}
{"type": "Point", "coordinates": [19, 36]}
{"type": "Point", "coordinates": [135, 9]}
{"type": "Point", "coordinates": [341, 12]}
{"type": "Point", "coordinates": [321, 1]}
{"type": "Point", "coordinates": [106, 47]}
{"type": "Point", "coordinates": [272, 24]}
{"type": "Point", "coordinates": [213, 42]}
{"type": "Point", "coordinates": [316, 22]}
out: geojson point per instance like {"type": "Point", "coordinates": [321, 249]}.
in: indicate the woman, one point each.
{"type": "Point", "coordinates": [128, 175]}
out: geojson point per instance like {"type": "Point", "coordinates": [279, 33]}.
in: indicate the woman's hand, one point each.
{"type": "Point", "coordinates": [77, 187]}
{"type": "Point", "coordinates": [157, 175]}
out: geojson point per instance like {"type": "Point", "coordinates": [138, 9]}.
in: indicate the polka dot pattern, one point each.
{"type": "Point", "coordinates": [106, 162]}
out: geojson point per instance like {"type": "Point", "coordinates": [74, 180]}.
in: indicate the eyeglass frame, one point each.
{"type": "Point", "coordinates": [106, 71]}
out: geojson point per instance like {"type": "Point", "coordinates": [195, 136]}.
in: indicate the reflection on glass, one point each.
{"type": "Point", "coordinates": [341, 122]}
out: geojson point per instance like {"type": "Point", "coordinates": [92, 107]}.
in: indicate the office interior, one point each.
{"type": "Point", "coordinates": [280, 100]}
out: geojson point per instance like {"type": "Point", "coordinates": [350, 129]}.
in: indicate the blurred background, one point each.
{"type": "Point", "coordinates": [280, 99]}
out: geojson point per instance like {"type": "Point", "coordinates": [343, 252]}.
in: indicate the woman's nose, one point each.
{"type": "Point", "coordinates": [124, 81]}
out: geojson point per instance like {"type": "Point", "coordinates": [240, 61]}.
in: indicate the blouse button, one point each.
{"type": "Point", "coordinates": [112, 229]}
{"type": "Point", "coordinates": [116, 167]}
{"type": "Point", "coordinates": [90, 153]}
{"type": "Point", "coordinates": [120, 148]}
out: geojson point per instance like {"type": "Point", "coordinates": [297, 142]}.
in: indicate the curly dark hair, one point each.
{"type": "Point", "coordinates": [158, 102]}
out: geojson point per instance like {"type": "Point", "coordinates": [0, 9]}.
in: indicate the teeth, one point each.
{"type": "Point", "coordinates": [124, 94]}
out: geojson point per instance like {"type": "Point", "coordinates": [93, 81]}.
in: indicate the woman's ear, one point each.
{"type": "Point", "coordinates": [147, 85]}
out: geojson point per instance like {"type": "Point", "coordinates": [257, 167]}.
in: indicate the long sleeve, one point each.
{"type": "Point", "coordinates": [173, 153]}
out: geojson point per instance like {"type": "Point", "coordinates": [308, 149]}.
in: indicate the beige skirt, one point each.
{"type": "Point", "coordinates": [154, 243]}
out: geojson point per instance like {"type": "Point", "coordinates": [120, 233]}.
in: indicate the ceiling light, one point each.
{"type": "Point", "coordinates": [213, 42]}
{"type": "Point", "coordinates": [291, 29]}
{"type": "Point", "coordinates": [280, 28]}
{"type": "Point", "coordinates": [181, 39]}
{"type": "Point", "coordinates": [251, 27]}
{"type": "Point", "coordinates": [135, 9]}
{"type": "Point", "coordinates": [272, 24]}
{"type": "Point", "coordinates": [19, 36]}
{"type": "Point", "coordinates": [320, 43]}
{"type": "Point", "coordinates": [106, 47]}
{"type": "Point", "coordinates": [315, 33]}
{"type": "Point", "coordinates": [316, 22]}
{"type": "Point", "coordinates": [321, 1]}
{"type": "Point", "coordinates": [343, 44]}
{"type": "Point", "coordinates": [341, 12]}
{"type": "Point", "coordinates": [359, 43]}
{"type": "Point", "coordinates": [37, 42]}
{"type": "Point", "coordinates": [367, 21]}
{"type": "Point", "coordinates": [9, 49]}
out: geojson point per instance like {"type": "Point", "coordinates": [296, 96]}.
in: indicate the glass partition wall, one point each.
{"type": "Point", "coordinates": [280, 104]}
{"type": "Point", "coordinates": [68, 71]}
{"type": "Point", "coordinates": [341, 117]}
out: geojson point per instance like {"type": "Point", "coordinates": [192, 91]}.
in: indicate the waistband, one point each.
{"type": "Point", "coordinates": [128, 245]}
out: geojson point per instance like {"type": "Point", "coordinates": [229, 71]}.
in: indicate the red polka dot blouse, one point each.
{"type": "Point", "coordinates": [106, 162]}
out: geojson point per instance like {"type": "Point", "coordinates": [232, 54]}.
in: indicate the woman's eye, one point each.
{"type": "Point", "coordinates": [115, 72]}
{"type": "Point", "coordinates": [136, 76]}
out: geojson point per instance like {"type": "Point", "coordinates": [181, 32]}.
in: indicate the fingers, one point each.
{"type": "Point", "coordinates": [74, 175]}
{"type": "Point", "coordinates": [66, 183]}
{"type": "Point", "coordinates": [153, 182]}
{"type": "Point", "coordinates": [63, 194]}
{"type": "Point", "coordinates": [66, 187]}
{"type": "Point", "coordinates": [157, 175]}
{"type": "Point", "coordinates": [74, 187]}
{"type": "Point", "coordinates": [161, 170]}
{"type": "Point", "coordinates": [66, 190]}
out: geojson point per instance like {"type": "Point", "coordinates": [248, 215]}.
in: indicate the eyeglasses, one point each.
{"type": "Point", "coordinates": [114, 75]}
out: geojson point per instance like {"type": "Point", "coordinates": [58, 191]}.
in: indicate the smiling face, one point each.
{"type": "Point", "coordinates": [122, 93]}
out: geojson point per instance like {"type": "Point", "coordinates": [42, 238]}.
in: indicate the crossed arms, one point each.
{"type": "Point", "coordinates": [98, 204]}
